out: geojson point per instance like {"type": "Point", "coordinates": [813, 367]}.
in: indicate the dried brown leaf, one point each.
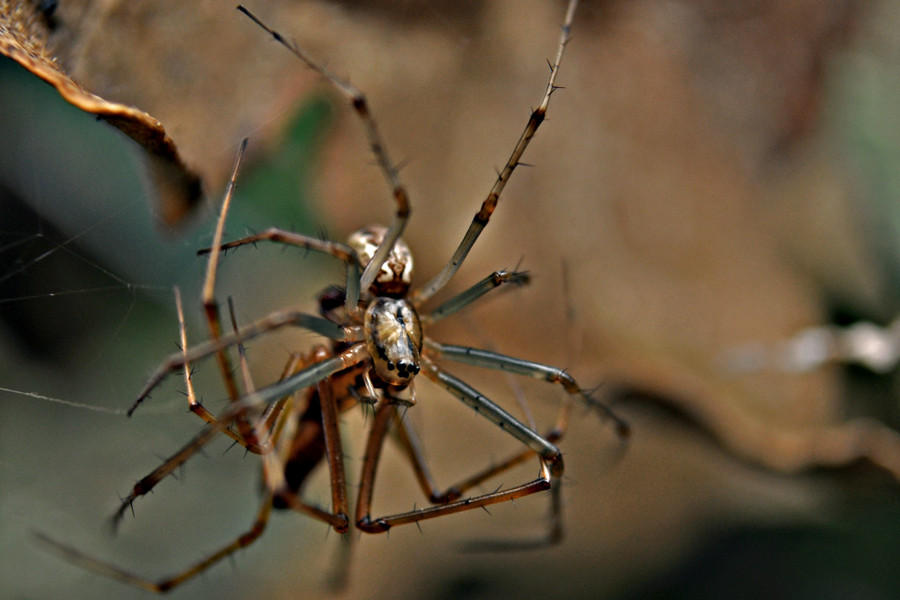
{"type": "Point", "coordinates": [23, 38]}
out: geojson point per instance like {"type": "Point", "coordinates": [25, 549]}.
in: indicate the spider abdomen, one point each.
{"type": "Point", "coordinates": [394, 339]}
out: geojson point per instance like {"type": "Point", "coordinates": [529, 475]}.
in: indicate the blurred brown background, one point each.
{"type": "Point", "coordinates": [713, 175]}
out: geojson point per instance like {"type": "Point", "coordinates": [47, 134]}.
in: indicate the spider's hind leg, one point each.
{"type": "Point", "coordinates": [481, 218]}
{"type": "Point", "coordinates": [376, 144]}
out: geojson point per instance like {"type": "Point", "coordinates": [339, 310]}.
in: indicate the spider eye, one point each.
{"type": "Point", "coordinates": [407, 369]}
{"type": "Point", "coordinates": [395, 275]}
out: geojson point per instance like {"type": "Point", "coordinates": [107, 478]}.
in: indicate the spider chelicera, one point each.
{"type": "Point", "coordinates": [379, 346]}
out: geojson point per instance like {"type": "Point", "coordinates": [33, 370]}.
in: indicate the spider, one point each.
{"type": "Point", "coordinates": [378, 347]}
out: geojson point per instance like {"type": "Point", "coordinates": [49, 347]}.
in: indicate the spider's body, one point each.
{"type": "Point", "coordinates": [393, 333]}
{"type": "Point", "coordinates": [393, 337]}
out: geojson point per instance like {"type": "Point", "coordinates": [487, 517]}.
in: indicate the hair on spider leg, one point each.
{"type": "Point", "coordinates": [322, 232]}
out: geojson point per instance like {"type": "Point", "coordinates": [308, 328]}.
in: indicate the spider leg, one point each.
{"type": "Point", "coordinates": [549, 453]}
{"type": "Point", "coordinates": [307, 376]}
{"type": "Point", "coordinates": [480, 221]}
{"type": "Point", "coordinates": [334, 454]}
{"type": "Point", "coordinates": [286, 433]}
{"type": "Point", "coordinates": [555, 530]}
{"type": "Point", "coordinates": [361, 106]}
{"type": "Point", "coordinates": [218, 341]}
{"type": "Point", "coordinates": [551, 458]}
{"type": "Point", "coordinates": [330, 436]}
{"type": "Point", "coordinates": [384, 415]}
{"type": "Point", "coordinates": [273, 321]}
{"type": "Point", "coordinates": [214, 427]}
{"type": "Point", "coordinates": [340, 251]}
{"type": "Point", "coordinates": [412, 447]}
{"type": "Point", "coordinates": [148, 482]}
{"type": "Point", "coordinates": [550, 473]}
{"type": "Point", "coordinates": [462, 300]}
{"type": "Point", "coordinates": [112, 571]}
{"type": "Point", "coordinates": [310, 375]}
{"type": "Point", "coordinates": [279, 428]}
{"type": "Point", "coordinates": [88, 562]}
{"type": "Point", "coordinates": [408, 439]}
{"type": "Point", "coordinates": [207, 434]}
{"type": "Point", "coordinates": [211, 308]}
{"type": "Point", "coordinates": [193, 404]}
{"type": "Point", "coordinates": [502, 362]}
{"type": "Point", "coordinates": [270, 413]}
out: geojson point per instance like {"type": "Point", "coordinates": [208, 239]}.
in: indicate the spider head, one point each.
{"type": "Point", "coordinates": [395, 276]}
{"type": "Point", "coordinates": [393, 339]}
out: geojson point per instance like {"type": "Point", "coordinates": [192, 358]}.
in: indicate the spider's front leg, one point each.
{"type": "Point", "coordinates": [342, 252]}
{"type": "Point", "coordinates": [376, 144]}
{"type": "Point", "coordinates": [276, 320]}
{"type": "Point", "coordinates": [494, 360]}
{"type": "Point", "coordinates": [466, 297]}
{"type": "Point", "coordinates": [219, 342]}
{"type": "Point", "coordinates": [481, 218]}
{"type": "Point", "coordinates": [383, 417]}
